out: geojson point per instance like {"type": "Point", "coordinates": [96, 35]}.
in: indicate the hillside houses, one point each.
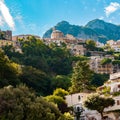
{"type": "Point", "coordinates": [76, 46]}
{"type": "Point", "coordinates": [6, 38]}
{"type": "Point", "coordinates": [115, 45]}
{"type": "Point", "coordinates": [114, 86]}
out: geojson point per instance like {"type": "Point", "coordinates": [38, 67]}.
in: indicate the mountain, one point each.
{"type": "Point", "coordinates": [95, 29]}
{"type": "Point", "coordinates": [104, 29]}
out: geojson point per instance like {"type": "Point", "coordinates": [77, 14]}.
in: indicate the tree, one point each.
{"type": "Point", "coordinates": [36, 79]}
{"type": "Point", "coordinates": [59, 101]}
{"type": "Point", "coordinates": [116, 56]}
{"type": "Point", "coordinates": [106, 61]}
{"type": "Point", "coordinates": [90, 44]}
{"type": "Point", "coordinates": [99, 103]}
{"type": "Point", "coordinates": [61, 81]}
{"type": "Point", "coordinates": [81, 77]}
{"type": "Point", "coordinates": [8, 71]}
{"type": "Point", "coordinates": [60, 62]}
{"type": "Point", "coordinates": [58, 98]}
{"type": "Point", "coordinates": [12, 54]}
{"type": "Point", "coordinates": [21, 103]}
{"type": "Point", "coordinates": [99, 79]}
{"type": "Point", "coordinates": [60, 92]}
{"type": "Point", "coordinates": [66, 116]}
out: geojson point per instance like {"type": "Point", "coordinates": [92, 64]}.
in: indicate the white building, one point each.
{"type": "Point", "coordinates": [113, 83]}
{"type": "Point", "coordinates": [79, 98]}
{"type": "Point", "coordinates": [96, 66]}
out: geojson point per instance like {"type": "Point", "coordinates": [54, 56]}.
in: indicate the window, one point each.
{"type": "Point", "coordinates": [79, 98]}
{"type": "Point", "coordinates": [118, 102]}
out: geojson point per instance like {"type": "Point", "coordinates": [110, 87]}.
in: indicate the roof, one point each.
{"type": "Point", "coordinates": [57, 31]}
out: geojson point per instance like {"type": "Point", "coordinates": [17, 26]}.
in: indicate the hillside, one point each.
{"type": "Point", "coordinates": [95, 29]}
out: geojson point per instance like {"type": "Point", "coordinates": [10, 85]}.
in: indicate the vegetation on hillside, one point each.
{"type": "Point", "coordinates": [48, 70]}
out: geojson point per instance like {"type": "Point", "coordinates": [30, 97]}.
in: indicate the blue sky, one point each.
{"type": "Point", "coordinates": [37, 16]}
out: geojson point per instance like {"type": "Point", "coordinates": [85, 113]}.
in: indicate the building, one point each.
{"type": "Point", "coordinates": [6, 35]}
{"type": "Point", "coordinates": [110, 42]}
{"type": "Point", "coordinates": [6, 42]}
{"type": "Point", "coordinates": [78, 49]}
{"type": "Point", "coordinates": [15, 38]}
{"type": "Point", "coordinates": [6, 38]}
{"type": "Point", "coordinates": [99, 44]}
{"type": "Point", "coordinates": [108, 68]}
{"type": "Point", "coordinates": [56, 34]}
{"type": "Point", "coordinates": [97, 67]}
{"type": "Point", "coordinates": [113, 84]}
{"type": "Point", "coordinates": [115, 45]}
{"type": "Point", "coordinates": [96, 53]}
{"type": "Point", "coordinates": [76, 46]}
{"type": "Point", "coordinates": [78, 99]}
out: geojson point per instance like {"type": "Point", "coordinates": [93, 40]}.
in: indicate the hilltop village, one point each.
{"type": "Point", "coordinates": [103, 59]}
{"type": "Point", "coordinates": [96, 52]}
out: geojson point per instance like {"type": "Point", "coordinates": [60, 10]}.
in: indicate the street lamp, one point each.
{"type": "Point", "coordinates": [78, 110]}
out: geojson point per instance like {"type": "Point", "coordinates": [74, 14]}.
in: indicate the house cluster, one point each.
{"type": "Point", "coordinates": [6, 38]}
{"type": "Point", "coordinates": [76, 46]}
{"type": "Point", "coordinates": [96, 65]}
{"type": "Point", "coordinates": [113, 85]}
{"type": "Point", "coordinates": [115, 45]}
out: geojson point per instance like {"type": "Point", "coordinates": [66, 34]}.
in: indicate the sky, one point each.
{"type": "Point", "coordinates": [37, 16]}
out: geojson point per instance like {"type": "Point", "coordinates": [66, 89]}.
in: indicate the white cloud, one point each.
{"type": "Point", "coordinates": [111, 8]}
{"type": "Point", "coordinates": [6, 15]}
{"type": "Point", "coordinates": [1, 21]}
{"type": "Point", "coordinates": [19, 18]}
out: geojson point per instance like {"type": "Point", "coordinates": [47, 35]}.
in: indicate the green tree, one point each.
{"type": "Point", "coordinates": [98, 79]}
{"type": "Point", "coordinates": [59, 101]}
{"type": "Point", "coordinates": [106, 61]}
{"type": "Point", "coordinates": [8, 71]}
{"type": "Point", "coordinates": [96, 102]}
{"type": "Point", "coordinates": [36, 79]}
{"type": "Point", "coordinates": [116, 56]}
{"type": "Point", "coordinates": [60, 92]}
{"type": "Point", "coordinates": [58, 98]}
{"type": "Point", "coordinates": [21, 103]}
{"type": "Point", "coordinates": [66, 116]}
{"type": "Point", "coordinates": [60, 58]}
{"type": "Point", "coordinates": [61, 81]}
{"type": "Point", "coordinates": [81, 77]}
{"type": "Point", "coordinates": [14, 56]}
{"type": "Point", "coordinates": [90, 44]}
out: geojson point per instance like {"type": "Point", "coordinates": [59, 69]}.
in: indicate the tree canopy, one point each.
{"type": "Point", "coordinates": [21, 103]}
{"type": "Point", "coordinates": [81, 77]}
{"type": "Point", "coordinates": [99, 103]}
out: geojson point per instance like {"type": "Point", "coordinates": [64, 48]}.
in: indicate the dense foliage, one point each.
{"type": "Point", "coordinates": [51, 71]}
{"type": "Point", "coordinates": [22, 104]}
{"type": "Point", "coordinates": [8, 71]}
{"type": "Point", "coordinates": [58, 98]}
{"type": "Point", "coordinates": [81, 77]}
{"type": "Point", "coordinates": [43, 67]}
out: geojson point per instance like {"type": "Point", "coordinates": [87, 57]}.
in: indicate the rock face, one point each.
{"type": "Point", "coordinates": [95, 29]}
